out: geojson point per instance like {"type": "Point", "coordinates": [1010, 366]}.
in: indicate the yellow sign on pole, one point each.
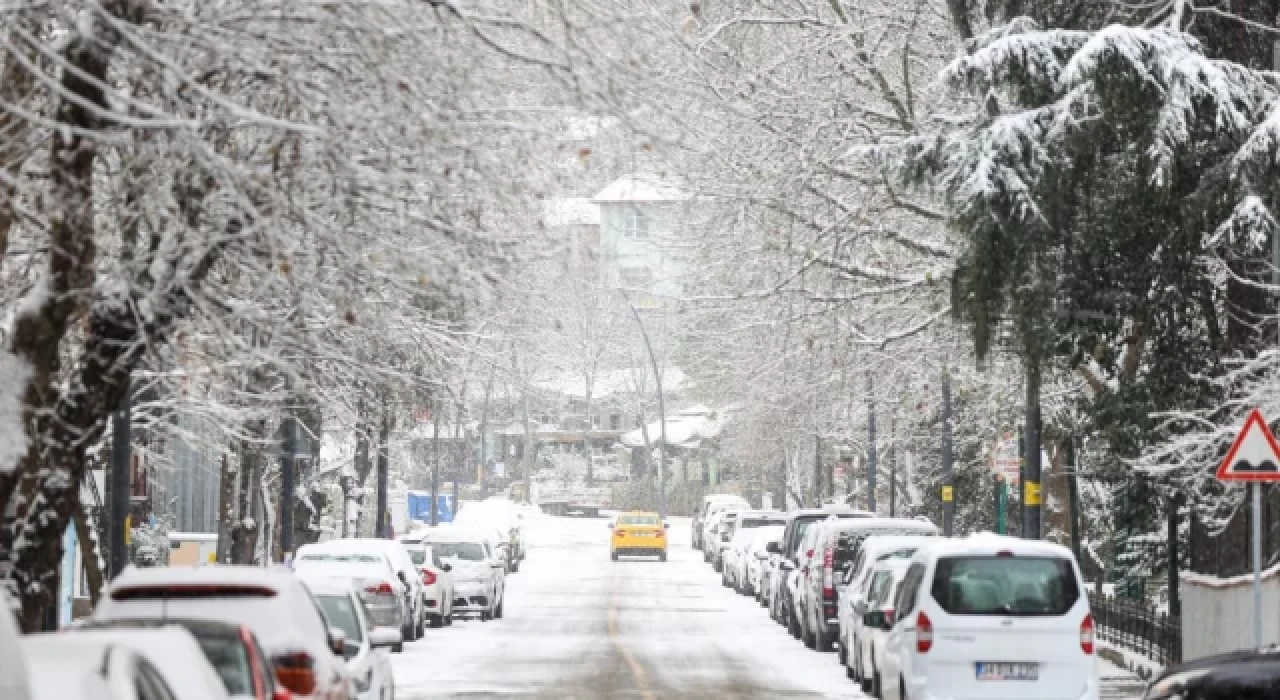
{"type": "Point", "coordinates": [948, 494]}
{"type": "Point", "coordinates": [128, 530]}
{"type": "Point", "coordinates": [1031, 494]}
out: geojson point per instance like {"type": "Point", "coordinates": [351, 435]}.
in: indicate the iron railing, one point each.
{"type": "Point", "coordinates": [1137, 627]}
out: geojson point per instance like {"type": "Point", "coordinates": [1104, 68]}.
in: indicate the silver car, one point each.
{"type": "Point", "coordinates": [479, 581]}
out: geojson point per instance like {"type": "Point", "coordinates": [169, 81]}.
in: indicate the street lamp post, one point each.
{"type": "Point", "coordinates": [662, 413]}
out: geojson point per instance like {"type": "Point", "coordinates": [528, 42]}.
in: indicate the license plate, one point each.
{"type": "Point", "coordinates": [1002, 671]}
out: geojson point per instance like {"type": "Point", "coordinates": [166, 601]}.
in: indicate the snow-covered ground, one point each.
{"type": "Point", "coordinates": [578, 625]}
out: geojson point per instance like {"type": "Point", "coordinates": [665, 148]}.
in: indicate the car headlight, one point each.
{"type": "Point", "coordinates": [364, 681]}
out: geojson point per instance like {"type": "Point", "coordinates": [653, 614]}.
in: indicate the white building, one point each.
{"type": "Point", "coordinates": [641, 244]}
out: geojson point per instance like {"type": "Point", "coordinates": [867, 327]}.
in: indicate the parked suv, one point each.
{"type": "Point", "coordinates": [714, 501]}
{"type": "Point", "coordinates": [833, 550]}
{"type": "Point", "coordinates": [991, 617]}
{"type": "Point", "coordinates": [783, 576]}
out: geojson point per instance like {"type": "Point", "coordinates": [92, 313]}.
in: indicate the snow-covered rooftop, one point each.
{"type": "Point", "coordinates": [641, 187]}
{"type": "Point", "coordinates": [687, 428]}
{"type": "Point", "coordinates": [608, 383]}
{"type": "Point", "coordinates": [571, 211]}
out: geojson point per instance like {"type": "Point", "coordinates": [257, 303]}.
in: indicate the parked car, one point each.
{"type": "Point", "coordinates": [717, 529]}
{"type": "Point", "coordinates": [13, 668]}
{"type": "Point", "coordinates": [784, 566]}
{"type": "Point", "coordinates": [991, 616]}
{"type": "Point", "coordinates": [1238, 675]}
{"type": "Point", "coordinates": [853, 588]}
{"type": "Point", "coordinates": [406, 572]}
{"type": "Point", "coordinates": [371, 571]}
{"type": "Point", "coordinates": [750, 562]}
{"type": "Point", "coordinates": [736, 521]}
{"type": "Point", "coordinates": [437, 580]}
{"type": "Point", "coordinates": [833, 549]}
{"type": "Point", "coordinates": [272, 602]}
{"type": "Point", "coordinates": [232, 649]}
{"type": "Point", "coordinates": [73, 667]}
{"type": "Point", "coordinates": [874, 624]}
{"type": "Point", "coordinates": [731, 555]}
{"type": "Point", "coordinates": [169, 661]}
{"type": "Point", "coordinates": [478, 571]}
{"type": "Point", "coordinates": [638, 534]}
{"type": "Point", "coordinates": [365, 644]}
{"type": "Point", "coordinates": [718, 501]}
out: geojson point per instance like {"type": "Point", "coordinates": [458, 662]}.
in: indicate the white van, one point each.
{"type": "Point", "coordinates": [991, 617]}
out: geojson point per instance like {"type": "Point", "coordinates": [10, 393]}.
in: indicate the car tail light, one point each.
{"type": "Point", "coordinates": [428, 577]}
{"type": "Point", "coordinates": [619, 532]}
{"type": "Point", "coordinates": [281, 694]}
{"type": "Point", "coordinates": [383, 588]}
{"type": "Point", "coordinates": [1086, 634]}
{"type": "Point", "coordinates": [296, 672]}
{"type": "Point", "coordinates": [924, 633]}
{"type": "Point", "coordinates": [1004, 553]}
{"type": "Point", "coordinates": [828, 562]}
{"type": "Point", "coordinates": [888, 616]}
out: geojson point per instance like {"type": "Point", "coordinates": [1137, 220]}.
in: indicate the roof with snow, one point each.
{"type": "Point", "coordinates": [641, 187]}
{"type": "Point", "coordinates": [687, 429]}
{"type": "Point", "coordinates": [608, 383]}
{"type": "Point", "coordinates": [571, 211]}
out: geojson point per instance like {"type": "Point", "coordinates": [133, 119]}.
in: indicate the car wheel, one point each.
{"type": "Point", "coordinates": [448, 620]}
{"type": "Point", "coordinates": [810, 636]}
{"type": "Point", "coordinates": [902, 688]}
{"type": "Point", "coordinates": [421, 630]}
{"type": "Point", "coordinates": [842, 654]}
{"type": "Point", "coordinates": [821, 640]}
{"type": "Point", "coordinates": [436, 621]}
{"type": "Point", "coordinates": [793, 625]}
{"type": "Point", "coordinates": [877, 691]}
{"type": "Point", "coordinates": [662, 556]}
{"type": "Point", "coordinates": [484, 616]}
{"type": "Point", "coordinates": [614, 555]}
{"type": "Point", "coordinates": [497, 612]}
{"type": "Point", "coordinates": [515, 566]}
{"type": "Point", "coordinates": [397, 648]}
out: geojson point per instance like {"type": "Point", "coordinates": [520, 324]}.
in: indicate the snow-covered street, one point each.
{"type": "Point", "coordinates": [578, 625]}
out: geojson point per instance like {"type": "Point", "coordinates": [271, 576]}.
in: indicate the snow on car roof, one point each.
{"type": "Point", "coordinates": [273, 577]}
{"type": "Point", "coordinates": [989, 544]}
{"type": "Point", "coordinates": [63, 666]}
{"type": "Point", "coordinates": [328, 585]}
{"type": "Point", "coordinates": [174, 652]}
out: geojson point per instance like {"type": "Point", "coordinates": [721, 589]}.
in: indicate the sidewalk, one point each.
{"type": "Point", "coordinates": [1118, 683]}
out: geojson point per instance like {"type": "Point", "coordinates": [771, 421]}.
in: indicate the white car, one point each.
{"type": "Point", "coordinates": [874, 624]}
{"type": "Point", "coordinates": [751, 563]}
{"type": "Point", "coordinates": [437, 580]}
{"type": "Point", "coordinates": [271, 601]}
{"type": "Point", "coordinates": [158, 660]}
{"type": "Point", "coordinates": [987, 617]}
{"type": "Point", "coordinates": [855, 584]}
{"type": "Point", "coordinates": [365, 645]}
{"type": "Point", "coordinates": [401, 563]}
{"type": "Point", "coordinates": [13, 669]}
{"type": "Point", "coordinates": [479, 583]}
{"type": "Point", "coordinates": [371, 571]}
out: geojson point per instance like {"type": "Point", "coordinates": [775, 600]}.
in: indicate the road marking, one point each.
{"type": "Point", "coordinates": [642, 683]}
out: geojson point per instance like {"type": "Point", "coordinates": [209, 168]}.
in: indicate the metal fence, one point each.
{"type": "Point", "coordinates": [1138, 628]}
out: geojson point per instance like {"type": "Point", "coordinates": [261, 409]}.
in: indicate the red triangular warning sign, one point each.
{"type": "Point", "coordinates": [1254, 456]}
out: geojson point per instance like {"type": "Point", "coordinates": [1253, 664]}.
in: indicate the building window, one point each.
{"type": "Point", "coordinates": [635, 224]}
{"type": "Point", "coordinates": [615, 421]}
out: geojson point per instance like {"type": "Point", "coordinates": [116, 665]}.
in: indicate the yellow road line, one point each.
{"type": "Point", "coordinates": [642, 682]}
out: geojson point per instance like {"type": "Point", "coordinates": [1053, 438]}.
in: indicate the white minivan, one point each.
{"type": "Point", "coordinates": [991, 617]}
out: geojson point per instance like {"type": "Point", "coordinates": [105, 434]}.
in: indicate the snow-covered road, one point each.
{"type": "Point", "coordinates": [578, 625]}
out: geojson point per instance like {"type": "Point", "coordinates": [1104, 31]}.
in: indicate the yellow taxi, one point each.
{"type": "Point", "coordinates": [638, 533]}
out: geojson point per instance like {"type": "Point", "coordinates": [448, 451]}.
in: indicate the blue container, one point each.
{"type": "Point", "coordinates": [420, 507]}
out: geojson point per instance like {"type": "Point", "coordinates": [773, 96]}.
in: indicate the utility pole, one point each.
{"type": "Point", "coordinates": [871, 445]}
{"type": "Point", "coordinates": [384, 438]}
{"type": "Point", "coordinates": [662, 414]}
{"type": "Point", "coordinates": [817, 470]}
{"type": "Point", "coordinates": [1022, 480]}
{"type": "Point", "coordinates": [435, 463]}
{"type": "Point", "coordinates": [288, 448]}
{"type": "Point", "coordinates": [948, 477]}
{"type": "Point", "coordinates": [1031, 484]}
{"type": "Point", "coordinates": [121, 456]}
{"type": "Point", "coordinates": [1073, 485]}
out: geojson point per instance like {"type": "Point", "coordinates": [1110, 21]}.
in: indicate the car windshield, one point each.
{"type": "Point", "coordinates": [466, 551]}
{"type": "Point", "coordinates": [229, 657]}
{"type": "Point", "coordinates": [757, 522]}
{"type": "Point", "coordinates": [638, 520]}
{"type": "Point", "coordinates": [339, 611]}
{"type": "Point", "coordinates": [1004, 585]}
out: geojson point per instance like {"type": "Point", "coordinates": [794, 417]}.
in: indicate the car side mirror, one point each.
{"type": "Point", "coordinates": [337, 641]}
{"type": "Point", "coordinates": [446, 567]}
{"type": "Point", "coordinates": [400, 575]}
{"type": "Point", "coordinates": [384, 637]}
{"type": "Point", "coordinates": [773, 548]}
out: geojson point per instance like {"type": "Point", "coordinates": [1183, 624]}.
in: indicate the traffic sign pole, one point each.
{"type": "Point", "coordinates": [1254, 457]}
{"type": "Point", "coordinates": [1257, 565]}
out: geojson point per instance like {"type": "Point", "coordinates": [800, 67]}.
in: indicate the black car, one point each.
{"type": "Point", "coordinates": [1239, 675]}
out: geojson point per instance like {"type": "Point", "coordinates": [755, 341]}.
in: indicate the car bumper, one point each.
{"type": "Point", "coordinates": [918, 689]}
{"type": "Point", "coordinates": [651, 550]}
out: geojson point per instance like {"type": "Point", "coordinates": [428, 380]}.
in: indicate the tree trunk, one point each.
{"type": "Point", "coordinates": [226, 507]}
{"type": "Point", "coordinates": [586, 435]}
{"type": "Point", "coordinates": [91, 553]}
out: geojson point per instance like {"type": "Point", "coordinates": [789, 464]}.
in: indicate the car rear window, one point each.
{"type": "Point", "coordinates": [466, 551]}
{"type": "Point", "coordinates": [230, 659]}
{"type": "Point", "coordinates": [638, 520]}
{"type": "Point", "coordinates": [1005, 585]}
{"type": "Point", "coordinates": [758, 522]}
